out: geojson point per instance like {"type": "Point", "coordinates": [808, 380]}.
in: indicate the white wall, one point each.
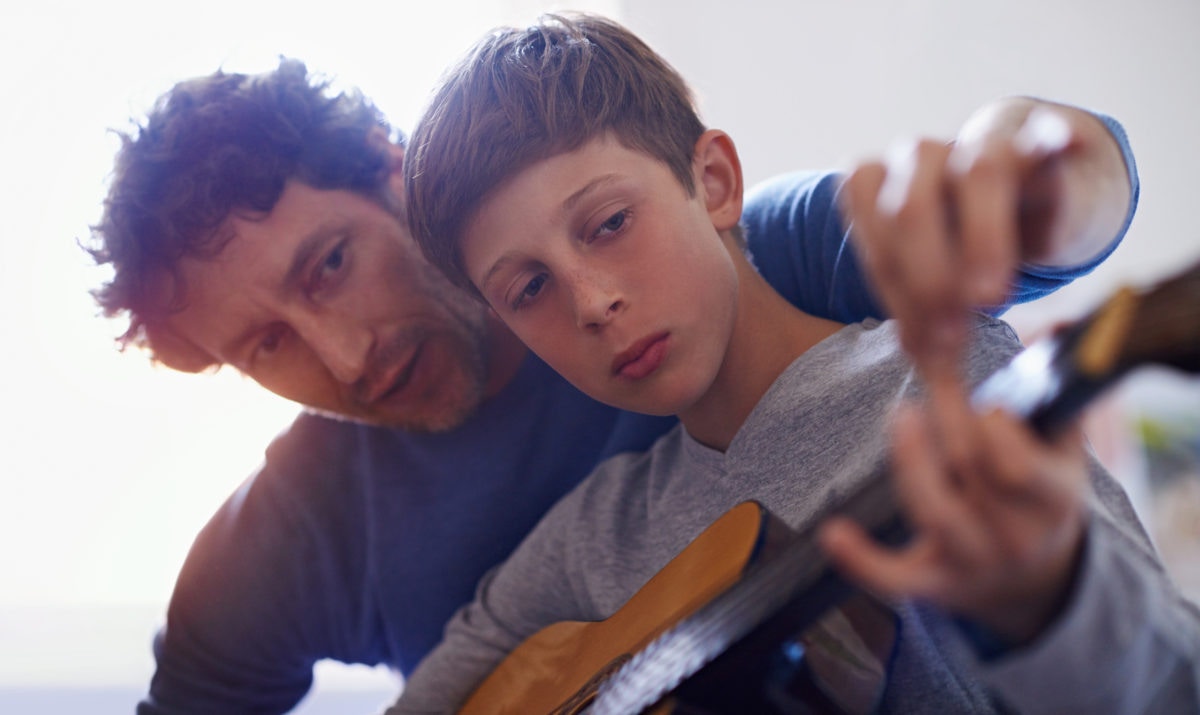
{"type": "Point", "coordinates": [811, 84]}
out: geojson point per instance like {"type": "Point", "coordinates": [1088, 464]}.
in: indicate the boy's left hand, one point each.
{"type": "Point", "coordinates": [998, 521]}
{"type": "Point", "coordinates": [940, 227]}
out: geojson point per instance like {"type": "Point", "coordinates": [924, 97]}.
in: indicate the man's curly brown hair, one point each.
{"type": "Point", "coordinates": [213, 146]}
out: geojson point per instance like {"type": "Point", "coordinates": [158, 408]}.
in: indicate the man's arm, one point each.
{"type": "Point", "coordinates": [269, 587]}
{"type": "Point", "coordinates": [1064, 600]}
{"type": "Point", "coordinates": [229, 642]}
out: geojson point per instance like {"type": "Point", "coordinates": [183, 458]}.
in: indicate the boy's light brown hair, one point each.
{"type": "Point", "coordinates": [524, 95]}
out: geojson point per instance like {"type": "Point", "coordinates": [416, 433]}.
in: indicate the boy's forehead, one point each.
{"type": "Point", "coordinates": [558, 183]}
{"type": "Point", "coordinates": [552, 192]}
{"type": "Point", "coordinates": [547, 188]}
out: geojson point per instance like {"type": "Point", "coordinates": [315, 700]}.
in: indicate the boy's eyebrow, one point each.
{"type": "Point", "coordinates": [569, 203]}
{"type": "Point", "coordinates": [587, 188]}
{"type": "Point", "coordinates": [499, 264]}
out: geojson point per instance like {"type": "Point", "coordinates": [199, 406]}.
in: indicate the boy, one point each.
{"type": "Point", "coordinates": [563, 174]}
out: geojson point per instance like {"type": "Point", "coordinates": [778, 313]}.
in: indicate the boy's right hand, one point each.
{"type": "Point", "coordinates": [998, 521]}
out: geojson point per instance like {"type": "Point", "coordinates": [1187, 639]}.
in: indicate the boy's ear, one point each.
{"type": "Point", "coordinates": [719, 177]}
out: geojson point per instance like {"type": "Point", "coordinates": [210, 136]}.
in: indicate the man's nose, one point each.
{"type": "Point", "coordinates": [342, 345]}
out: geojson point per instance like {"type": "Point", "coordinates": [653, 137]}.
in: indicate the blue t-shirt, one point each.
{"type": "Point", "coordinates": [357, 543]}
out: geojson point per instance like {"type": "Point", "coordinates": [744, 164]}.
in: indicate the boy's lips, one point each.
{"type": "Point", "coordinates": [641, 358]}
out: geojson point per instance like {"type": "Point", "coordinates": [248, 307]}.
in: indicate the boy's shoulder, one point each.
{"type": "Point", "coordinates": [861, 366]}
{"type": "Point", "coordinates": [625, 480]}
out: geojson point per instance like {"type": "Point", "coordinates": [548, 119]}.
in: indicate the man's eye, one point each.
{"type": "Point", "coordinates": [334, 260]}
{"type": "Point", "coordinates": [328, 269]}
{"type": "Point", "coordinates": [271, 341]}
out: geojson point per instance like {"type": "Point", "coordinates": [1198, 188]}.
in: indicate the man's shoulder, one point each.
{"type": "Point", "coordinates": [312, 437]}
{"type": "Point", "coordinates": [308, 471]}
{"type": "Point", "coordinates": [779, 191]}
{"type": "Point", "coordinates": [259, 545]}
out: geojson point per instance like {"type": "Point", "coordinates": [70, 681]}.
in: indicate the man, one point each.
{"type": "Point", "coordinates": [257, 221]}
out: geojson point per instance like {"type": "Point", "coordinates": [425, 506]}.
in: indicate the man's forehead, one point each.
{"type": "Point", "coordinates": [204, 295]}
{"type": "Point", "coordinates": [222, 295]}
{"type": "Point", "coordinates": [216, 297]}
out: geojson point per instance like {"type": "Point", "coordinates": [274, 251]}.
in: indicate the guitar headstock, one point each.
{"type": "Point", "coordinates": [1052, 380]}
{"type": "Point", "coordinates": [1157, 325]}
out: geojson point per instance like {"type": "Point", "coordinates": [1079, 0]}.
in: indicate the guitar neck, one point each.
{"type": "Point", "coordinates": [1047, 385]}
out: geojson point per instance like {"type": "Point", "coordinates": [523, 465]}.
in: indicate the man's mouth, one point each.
{"type": "Point", "coordinates": [397, 380]}
{"type": "Point", "coordinates": [641, 358]}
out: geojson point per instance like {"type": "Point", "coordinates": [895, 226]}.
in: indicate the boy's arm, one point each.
{"type": "Point", "coordinates": [1126, 640]}
{"type": "Point", "coordinates": [1063, 604]}
{"type": "Point", "coordinates": [998, 519]}
{"type": "Point", "coordinates": [941, 227]}
{"type": "Point", "coordinates": [798, 238]}
{"type": "Point", "coordinates": [1057, 585]}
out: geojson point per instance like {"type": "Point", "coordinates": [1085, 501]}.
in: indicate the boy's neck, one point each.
{"type": "Point", "coordinates": [769, 334]}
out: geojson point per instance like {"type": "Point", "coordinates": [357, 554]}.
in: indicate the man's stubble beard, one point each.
{"type": "Point", "coordinates": [466, 328]}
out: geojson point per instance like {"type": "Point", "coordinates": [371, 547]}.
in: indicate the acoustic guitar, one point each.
{"type": "Point", "coordinates": [751, 617]}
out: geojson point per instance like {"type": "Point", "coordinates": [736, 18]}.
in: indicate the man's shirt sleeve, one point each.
{"type": "Point", "coordinates": [268, 588]}
{"type": "Point", "coordinates": [799, 243]}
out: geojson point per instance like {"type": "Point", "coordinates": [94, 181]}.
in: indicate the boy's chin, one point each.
{"type": "Point", "coordinates": [656, 405]}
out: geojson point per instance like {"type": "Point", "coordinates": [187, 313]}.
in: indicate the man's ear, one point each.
{"type": "Point", "coordinates": [718, 173]}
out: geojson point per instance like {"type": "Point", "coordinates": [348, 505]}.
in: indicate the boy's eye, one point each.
{"type": "Point", "coordinates": [530, 291]}
{"type": "Point", "coordinates": [613, 224]}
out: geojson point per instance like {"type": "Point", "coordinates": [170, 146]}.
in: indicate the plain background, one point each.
{"type": "Point", "coordinates": [110, 467]}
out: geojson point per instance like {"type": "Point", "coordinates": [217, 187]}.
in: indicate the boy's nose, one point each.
{"type": "Point", "coordinates": [596, 304]}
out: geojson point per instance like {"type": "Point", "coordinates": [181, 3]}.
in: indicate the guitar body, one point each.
{"type": "Point", "coordinates": [790, 637]}
{"type": "Point", "coordinates": [559, 668]}
{"type": "Point", "coordinates": [746, 572]}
